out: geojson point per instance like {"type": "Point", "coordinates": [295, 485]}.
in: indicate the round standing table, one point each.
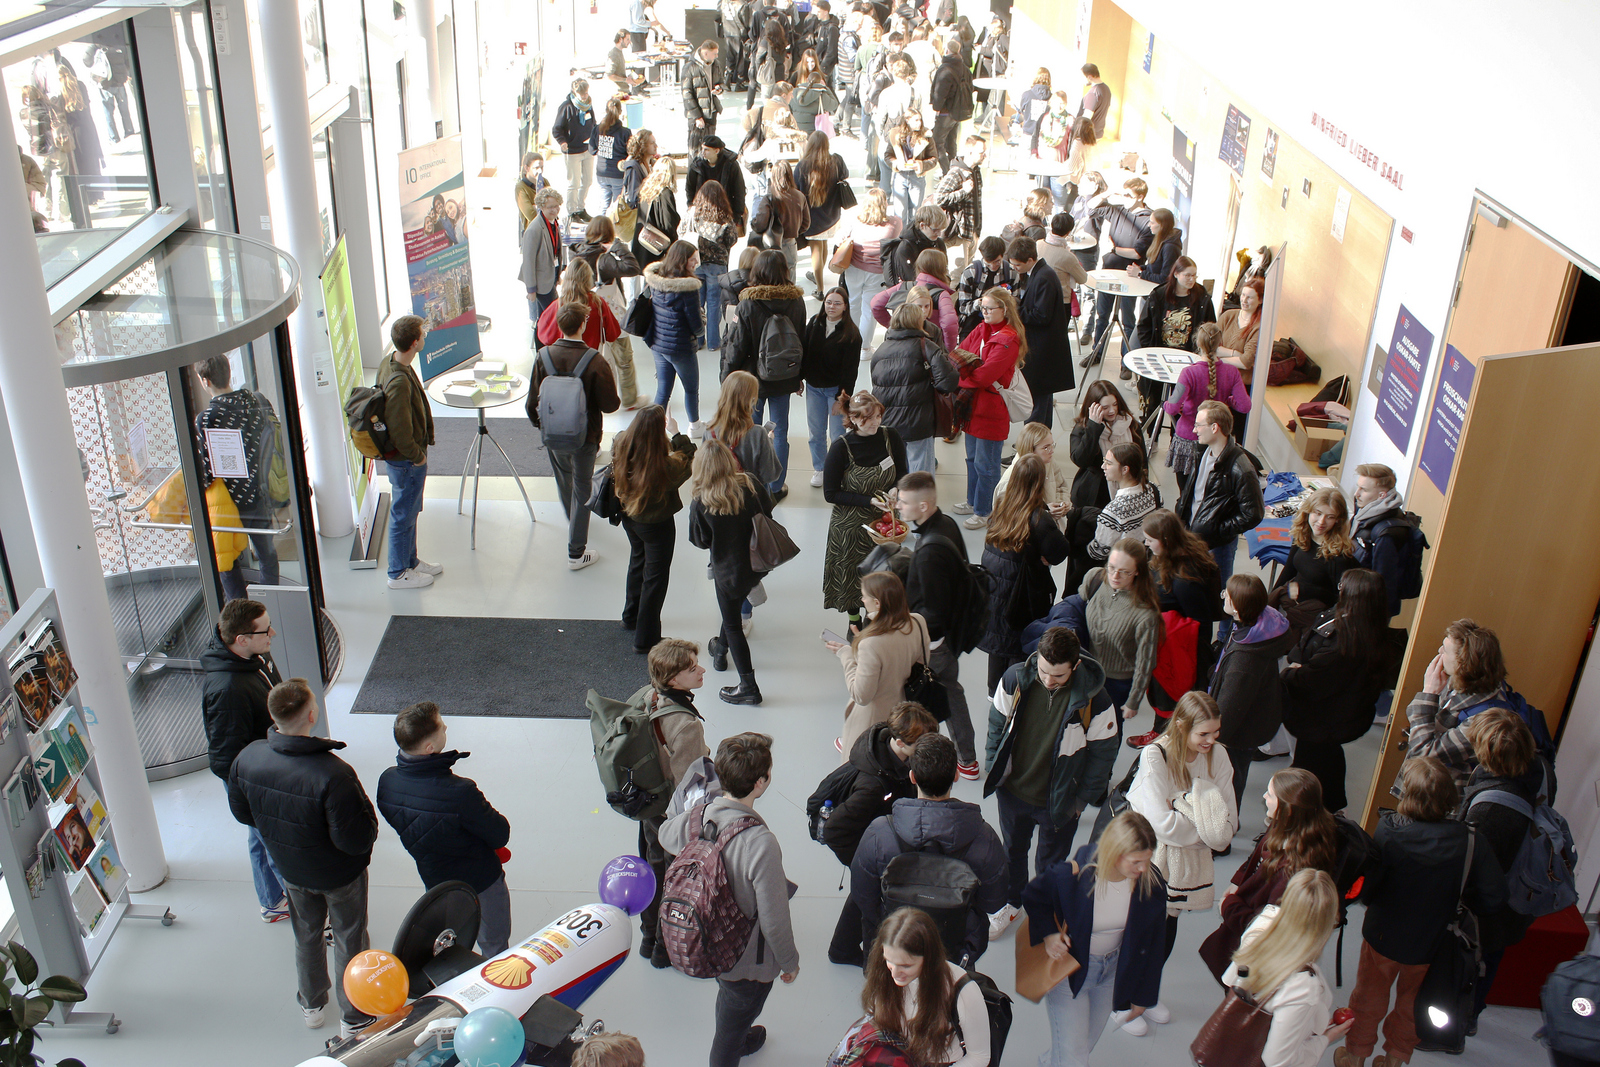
{"type": "Point", "coordinates": [1124, 286]}
{"type": "Point", "coordinates": [1158, 365]}
{"type": "Point", "coordinates": [518, 391]}
{"type": "Point", "coordinates": [996, 114]}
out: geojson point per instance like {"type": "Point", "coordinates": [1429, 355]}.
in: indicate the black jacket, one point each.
{"type": "Point", "coordinates": [832, 360]}
{"type": "Point", "coordinates": [950, 90]}
{"type": "Point", "coordinates": [727, 538]}
{"type": "Point", "coordinates": [936, 580]}
{"type": "Point", "coordinates": [699, 102]}
{"type": "Point", "coordinates": [1504, 829]}
{"type": "Point", "coordinates": [882, 778]}
{"type": "Point", "coordinates": [1230, 501]}
{"type": "Point", "coordinates": [1246, 684]}
{"type": "Point", "coordinates": [571, 131]}
{"type": "Point", "coordinates": [726, 172]}
{"type": "Point", "coordinates": [907, 369]}
{"type": "Point", "coordinates": [1046, 318]}
{"type": "Point", "coordinates": [443, 820]}
{"type": "Point", "coordinates": [1004, 634]}
{"type": "Point", "coordinates": [901, 266]}
{"type": "Point", "coordinates": [1089, 488]}
{"type": "Point", "coordinates": [946, 827]}
{"type": "Point", "coordinates": [1329, 696]}
{"type": "Point", "coordinates": [1130, 228]}
{"type": "Point", "coordinates": [609, 264]}
{"type": "Point", "coordinates": [741, 346]}
{"type": "Point", "coordinates": [309, 807]}
{"type": "Point", "coordinates": [662, 213]}
{"type": "Point", "coordinates": [1379, 539]}
{"type": "Point", "coordinates": [1151, 331]}
{"type": "Point", "coordinates": [233, 701]}
{"type": "Point", "coordinates": [1412, 896]}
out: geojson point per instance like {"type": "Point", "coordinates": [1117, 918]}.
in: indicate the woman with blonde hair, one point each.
{"type": "Point", "coordinates": [646, 471]}
{"type": "Point", "coordinates": [577, 287]}
{"type": "Point", "coordinates": [878, 659]}
{"type": "Point", "coordinates": [1037, 439]}
{"type": "Point", "coordinates": [734, 425]}
{"type": "Point", "coordinates": [1021, 546]}
{"type": "Point", "coordinates": [726, 501]}
{"type": "Point", "coordinates": [1184, 786]}
{"type": "Point", "coordinates": [1123, 617]}
{"type": "Point", "coordinates": [1037, 207]}
{"type": "Point", "coordinates": [1321, 552]}
{"type": "Point", "coordinates": [990, 356]}
{"type": "Point", "coordinates": [1277, 968]}
{"type": "Point", "coordinates": [863, 465]}
{"type": "Point", "coordinates": [1106, 909]}
{"type": "Point", "coordinates": [872, 228]}
{"type": "Point", "coordinates": [658, 212]}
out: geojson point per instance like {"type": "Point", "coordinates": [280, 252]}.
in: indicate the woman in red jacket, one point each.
{"type": "Point", "coordinates": [989, 356]}
{"type": "Point", "coordinates": [577, 287]}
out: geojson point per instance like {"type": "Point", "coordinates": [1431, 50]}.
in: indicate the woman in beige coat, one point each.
{"type": "Point", "coordinates": [878, 659]}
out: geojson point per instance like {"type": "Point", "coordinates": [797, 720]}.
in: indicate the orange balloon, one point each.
{"type": "Point", "coordinates": [376, 982]}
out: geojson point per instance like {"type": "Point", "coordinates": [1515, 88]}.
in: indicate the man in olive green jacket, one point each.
{"type": "Point", "coordinates": [410, 426]}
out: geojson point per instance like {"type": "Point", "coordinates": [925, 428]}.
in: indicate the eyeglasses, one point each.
{"type": "Point", "coordinates": [990, 307]}
{"type": "Point", "coordinates": [268, 630]}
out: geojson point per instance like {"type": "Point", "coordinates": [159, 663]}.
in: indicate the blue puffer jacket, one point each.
{"type": "Point", "coordinates": [677, 326]}
{"type": "Point", "coordinates": [443, 820]}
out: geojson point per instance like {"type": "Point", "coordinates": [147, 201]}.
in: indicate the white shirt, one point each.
{"type": "Point", "coordinates": [1111, 901]}
{"type": "Point", "coordinates": [1302, 1008]}
{"type": "Point", "coordinates": [973, 1015]}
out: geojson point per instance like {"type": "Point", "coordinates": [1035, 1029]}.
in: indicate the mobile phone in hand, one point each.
{"type": "Point", "coordinates": [829, 635]}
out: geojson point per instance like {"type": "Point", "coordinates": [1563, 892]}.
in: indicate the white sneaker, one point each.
{"type": "Point", "coordinates": [697, 430]}
{"type": "Point", "coordinates": [411, 579]}
{"type": "Point", "coordinates": [1133, 1027]}
{"type": "Point", "coordinates": [589, 557]}
{"type": "Point", "coordinates": [348, 1031]}
{"type": "Point", "coordinates": [1161, 1015]}
{"type": "Point", "coordinates": [747, 624]}
{"type": "Point", "coordinates": [315, 1017]}
{"type": "Point", "coordinates": [1000, 920]}
{"type": "Point", "coordinates": [816, 480]}
{"type": "Point", "coordinates": [962, 508]}
{"type": "Point", "coordinates": [976, 522]}
{"type": "Point", "coordinates": [425, 567]}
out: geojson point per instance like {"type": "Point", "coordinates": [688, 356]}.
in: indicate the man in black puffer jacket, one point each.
{"type": "Point", "coordinates": [444, 820]}
{"type": "Point", "coordinates": [239, 673]}
{"type": "Point", "coordinates": [319, 828]}
{"type": "Point", "coordinates": [882, 777]}
{"type": "Point", "coordinates": [907, 369]}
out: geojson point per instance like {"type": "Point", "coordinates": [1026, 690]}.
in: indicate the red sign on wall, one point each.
{"type": "Point", "coordinates": [1344, 139]}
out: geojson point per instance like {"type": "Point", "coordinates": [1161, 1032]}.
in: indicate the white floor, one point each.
{"type": "Point", "coordinates": [218, 986]}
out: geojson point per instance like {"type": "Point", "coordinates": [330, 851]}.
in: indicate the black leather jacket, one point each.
{"type": "Point", "coordinates": [1230, 502]}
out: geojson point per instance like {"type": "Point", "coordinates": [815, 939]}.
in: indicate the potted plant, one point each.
{"type": "Point", "coordinates": [28, 1002]}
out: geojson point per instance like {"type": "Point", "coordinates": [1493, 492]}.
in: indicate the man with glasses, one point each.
{"type": "Point", "coordinates": [239, 673]}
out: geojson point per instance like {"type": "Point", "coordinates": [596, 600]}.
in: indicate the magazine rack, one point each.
{"type": "Point", "coordinates": [48, 922]}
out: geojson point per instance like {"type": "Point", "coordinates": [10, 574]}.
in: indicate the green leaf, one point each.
{"type": "Point", "coordinates": [19, 1010]}
{"type": "Point", "coordinates": [62, 989]}
{"type": "Point", "coordinates": [71, 1062]}
{"type": "Point", "coordinates": [27, 967]}
{"type": "Point", "coordinates": [38, 1009]}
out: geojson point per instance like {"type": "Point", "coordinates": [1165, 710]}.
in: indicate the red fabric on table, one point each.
{"type": "Point", "coordinates": [1551, 941]}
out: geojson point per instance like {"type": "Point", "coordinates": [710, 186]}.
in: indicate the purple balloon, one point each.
{"type": "Point", "coordinates": [627, 882]}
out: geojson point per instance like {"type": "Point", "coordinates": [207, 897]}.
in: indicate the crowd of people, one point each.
{"type": "Point", "coordinates": [1092, 598]}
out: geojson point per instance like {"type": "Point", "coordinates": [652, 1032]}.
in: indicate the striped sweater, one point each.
{"type": "Point", "coordinates": [1124, 634]}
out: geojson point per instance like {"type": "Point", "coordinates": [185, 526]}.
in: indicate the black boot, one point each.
{"type": "Point", "coordinates": [746, 692]}
{"type": "Point", "coordinates": [719, 653]}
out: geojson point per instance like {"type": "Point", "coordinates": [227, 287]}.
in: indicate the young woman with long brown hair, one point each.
{"type": "Point", "coordinates": [711, 221]}
{"type": "Point", "coordinates": [1172, 313]}
{"type": "Point", "coordinates": [878, 659]}
{"type": "Point", "coordinates": [1124, 621]}
{"type": "Point", "coordinates": [911, 991]}
{"type": "Point", "coordinates": [1300, 835]}
{"type": "Point", "coordinates": [1022, 544]}
{"type": "Point", "coordinates": [1188, 582]}
{"type": "Point", "coordinates": [734, 424]}
{"type": "Point", "coordinates": [1104, 419]}
{"type": "Point", "coordinates": [676, 326]}
{"type": "Point", "coordinates": [726, 500]}
{"type": "Point", "coordinates": [1321, 552]}
{"type": "Point", "coordinates": [646, 471]}
{"type": "Point", "coordinates": [817, 178]}
{"type": "Point", "coordinates": [988, 357]}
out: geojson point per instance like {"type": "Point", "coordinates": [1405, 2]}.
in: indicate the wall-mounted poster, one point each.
{"type": "Point", "coordinates": [1183, 153]}
{"type": "Point", "coordinates": [433, 213]}
{"type": "Point", "coordinates": [1403, 374]}
{"type": "Point", "coordinates": [1269, 155]}
{"type": "Point", "coordinates": [1448, 416]}
{"type": "Point", "coordinates": [1235, 139]}
{"type": "Point", "coordinates": [1149, 52]}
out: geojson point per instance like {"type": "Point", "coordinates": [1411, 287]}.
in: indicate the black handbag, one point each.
{"type": "Point", "coordinates": [641, 316]}
{"type": "Point", "coordinates": [1115, 804]}
{"type": "Point", "coordinates": [1445, 999]}
{"type": "Point", "coordinates": [847, 195]}
{"type": "Point", "coordinates": [603, 500]}
{"type": "Point", "coordinates": [923, 688]}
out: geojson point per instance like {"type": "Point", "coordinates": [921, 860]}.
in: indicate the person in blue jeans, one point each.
{"type": "Point", "coordinates": [832, 346]}
{"type": "Point", "coordinates": [676, 326]}
{"type": "Point", "coordinates": [770, 294]}
{"type": "Point", "coordinates": [611, 139]}
{"type": "Point", "coordinates": [239, 673]}
{"type": "Point", "coordinates": [410, 423]}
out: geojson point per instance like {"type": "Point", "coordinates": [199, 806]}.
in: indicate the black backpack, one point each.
{"type": "Point", "coordinates": [780, 352]}
{"type": "Point", "coordinates": [888, 257]}
{"type": "Point", "coordinates": [1357, 857]}
{"type": "Point", "coordinates": [836, 787]}
{"type": "Point", "coordinates": [1406, 532]}
{"type": "Point", "coordinates": [998, 1006]}
{"type": "Point", "coordinates": [1569, 1000]}
{"type": "Point", "coordinates": [364, 413]}
{"type": "Point", "coordinates": [942, 886]}
{"type": "Point", "coordinates": [968, 628]}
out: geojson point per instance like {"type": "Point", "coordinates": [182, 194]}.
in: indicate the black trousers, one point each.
{"type": "Point", "coordinates": [728, 604]}
{"type": "Point", "coordinates": [649, 566]}
{"type": "Point", "coordinates": [1239, 756]}
{"type": "Point", "coordinates": [1325, 760]}
{"type": "Point", "coordinates": [998, 663]}
{"type": "Point", "coordinates": [652, 853]}
{"type": "Point", "coordinates": [944, 139]}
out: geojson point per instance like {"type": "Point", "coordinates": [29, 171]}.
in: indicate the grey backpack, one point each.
{"type": "Point", "coordinates": [564, 405]}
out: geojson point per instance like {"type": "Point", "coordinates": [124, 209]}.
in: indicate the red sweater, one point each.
{"type": "Point", "coordinates": [602, 324]}
{"type": "Point", "coordinates": [998, 347]}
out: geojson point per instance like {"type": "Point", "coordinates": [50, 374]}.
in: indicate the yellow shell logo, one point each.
{"type": "Point", "coordinates": [509, 972]}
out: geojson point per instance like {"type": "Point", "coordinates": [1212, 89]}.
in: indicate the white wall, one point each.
{"type": "Point", "coordinates": [1467, 95]}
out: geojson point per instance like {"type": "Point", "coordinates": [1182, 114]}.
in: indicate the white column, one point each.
{"type": "Point", "coordinates": [299, 233]}
{"type": "Point", "coordinates": [426, 26]}
{"type": "Point", "coordinates": [63, 531]}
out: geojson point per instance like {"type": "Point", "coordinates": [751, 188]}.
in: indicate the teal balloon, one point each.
{"type": "Point", "coordinates": [490, 1037]}
{"type": "Point", "coordinates": [629, 883]}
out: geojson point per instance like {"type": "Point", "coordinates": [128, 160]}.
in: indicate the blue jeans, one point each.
{"type": "Point", "coordinates": [906, 192]}
{"type": "Point", "coordinates": [777, 409]}
{"type": "Point", "coordinates": [269, 890]}
{"type": "Point", "coordinates": [406, 479]}
{"type": "Point", "coordinates": [919, 455]}
{"type": "Point", "coordinates": [821, 425]}
{"type": "Point", "coordinates": [983, 473]}
{"type": "Point", "coordinates": [711, 301]}
{"type": "Point", "coordinates": [612, 187]}
{"type": "Point", "coordinates": [1224, 556]}
{"type": "Point", "coordinates": [1076, 1022]}
{"type": "Point", "coordinates": [684, 365]}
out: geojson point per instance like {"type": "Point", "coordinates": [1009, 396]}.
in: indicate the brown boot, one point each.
{"type": "Point", "coordinates": [1343, 1057]}
{"type": "Point", "coordinates": [1388, 1061]}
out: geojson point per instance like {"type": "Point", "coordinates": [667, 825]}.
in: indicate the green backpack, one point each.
{"type": "Point", "coordinates": [273, 457]}
{"type": "Point", "coordinates": [626, 741]}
